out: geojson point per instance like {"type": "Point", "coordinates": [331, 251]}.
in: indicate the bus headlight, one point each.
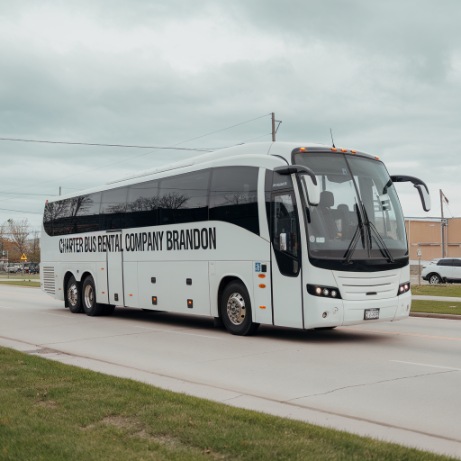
{"type": "Point", "coordinates": [324, 292]}
{"type": "Point", "coordinates": [403, 288]}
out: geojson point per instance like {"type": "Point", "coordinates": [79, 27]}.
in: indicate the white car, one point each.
{"type": "Point", "coordinates": [13, 268]}
{"type": "Point", "coordinates": [442, 270]}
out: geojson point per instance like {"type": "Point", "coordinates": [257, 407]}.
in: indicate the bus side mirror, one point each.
{"type": "Point", "coordinates": [424, 196]}
{"type": "Point", "coordinates": [308, 180]}
{"type": "Point", "coordinates": [420, 186]}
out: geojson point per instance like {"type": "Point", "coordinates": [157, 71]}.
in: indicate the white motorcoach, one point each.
{"type": "Point", "coordinates": [294, 235]}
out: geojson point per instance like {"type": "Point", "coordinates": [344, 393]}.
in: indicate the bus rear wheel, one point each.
{"type": "Point", "coordinates": [235, 310]}
{"type": "Point", "coordinates": [73, 296]}
{"type": "Point", "coordinates": [90, 306]}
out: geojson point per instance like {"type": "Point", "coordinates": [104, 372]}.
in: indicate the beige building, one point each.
{"type": "Point", "coordinates": [425, 235]}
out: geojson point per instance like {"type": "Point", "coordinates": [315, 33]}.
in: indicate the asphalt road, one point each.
{"type": "Point", "coordinates": [393, 381]}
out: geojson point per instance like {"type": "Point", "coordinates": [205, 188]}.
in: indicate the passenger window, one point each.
{"type": "Point", "coordinates": [74, 215]}
{"type": "Point", "coordinates": [84, 211]}
{"type": "Point", "coordinates": [233, 196]}
{"type": "Point", "coordinates": [113, 206]}
{"type": "Point", "coordinates": [142, 205]}
{"type": "Point", "coordinates": [184, 198]}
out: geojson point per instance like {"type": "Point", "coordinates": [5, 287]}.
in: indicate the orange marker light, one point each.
{"type": "Point", "coordinates": [262, 285]}
{"type": "Point", "coordinates": [262, 307]}
{"type": "Point", "coordinates": [262, 276]}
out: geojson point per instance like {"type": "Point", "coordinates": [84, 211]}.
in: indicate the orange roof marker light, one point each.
{"type": "Point", "coordinates": [303, 149]}
{"type": "Point", "coordinates": [334, 149]}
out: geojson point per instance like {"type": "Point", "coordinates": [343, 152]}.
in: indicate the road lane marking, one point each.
{"type": "Point", "coordinates": [429, 365]}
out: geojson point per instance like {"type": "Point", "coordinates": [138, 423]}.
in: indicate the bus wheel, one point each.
{"type": "Point", "coordinates": [73, 299]}
{"type": "Point", "coordinates": [235, 309]}
{"type": "Point", "coordinates": [90, 306]}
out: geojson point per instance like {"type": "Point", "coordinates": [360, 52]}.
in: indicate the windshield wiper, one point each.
{"type": "Point", "coordinates": [379, 240]}
{"type": "Point", "coordinates": [359, 232]}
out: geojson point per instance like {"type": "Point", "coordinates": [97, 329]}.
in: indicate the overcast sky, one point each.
{"type": "Point", "coordinates": [384, 75]}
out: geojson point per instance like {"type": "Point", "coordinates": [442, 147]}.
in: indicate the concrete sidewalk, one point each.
{"type": "Point", "coordinates": [436, 298]}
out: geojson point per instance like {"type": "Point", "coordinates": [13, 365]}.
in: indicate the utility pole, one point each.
{"type": "Point", "coordinates": [443, 222]}
{"type": "Point", "coordinates": [274, 129]}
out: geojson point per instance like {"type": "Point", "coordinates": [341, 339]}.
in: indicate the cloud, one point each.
{"type": "Point", "coordinates": [385, 76]}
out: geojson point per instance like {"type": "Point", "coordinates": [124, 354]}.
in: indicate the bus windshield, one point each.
{"type": "Point", "coordinates": [359, 218]}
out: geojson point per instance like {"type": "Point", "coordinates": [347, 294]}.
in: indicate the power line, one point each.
{"type": "Point", "coordinates": [21, 211]}
{"type": "Point", "coordinates": [134, 146]}
{"type": "Point", "coordinates": [47, 141]}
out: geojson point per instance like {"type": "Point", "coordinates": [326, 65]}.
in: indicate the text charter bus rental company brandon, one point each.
{"type": "Point", "coordinates": [302, 236]}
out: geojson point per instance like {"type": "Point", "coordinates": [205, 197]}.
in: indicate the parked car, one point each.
{"type": "Point", "coordinates": [31, 268]}
{"type": "Point", "coordinates": [442, 270]}
{"type": "Point", "coordinates": [13, 268]}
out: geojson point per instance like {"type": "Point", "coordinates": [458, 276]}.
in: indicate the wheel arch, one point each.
{"type": "Point", "coordinates": [442, 279]}
{"type": "Point", "coordinates": [78, 279]}
{"type": "Point", "coordinates": [226, 280]}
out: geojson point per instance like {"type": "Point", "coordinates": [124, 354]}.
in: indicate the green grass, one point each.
{"type": "Point", "coordinates": [25, 280]}
{"type": "Point", "coordinates": [22, 283]}
{"type": "Point", "coordinates": [436, 307]}
{"type": "Point", "coordinates": [54, 412]}
{"type": "Point", "coordinates": [444, 289]}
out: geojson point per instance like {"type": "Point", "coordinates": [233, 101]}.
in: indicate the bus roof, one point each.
{"type": "Point", "coordinates": [274, 154]}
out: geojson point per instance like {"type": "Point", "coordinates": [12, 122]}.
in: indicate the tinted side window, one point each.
{"type": "Point", "coordinates": [85, 212]}
{"type": "Point", "coordinates": [233, 196]}
{"type": "Point", "coordinates": [457, 262]}
{"type": "Point", "coordinates": [142, 205]}
{"type": "Point", "coordinates": [113, 206]}
{"type": "Point", "coordinates": [54, 217]}
{"type": "Point", "coordinates": [74, 215]}
{"type": "Point", "coordinates": [184, 198]}
{"type": "Point", "coordinates": [445, 262]}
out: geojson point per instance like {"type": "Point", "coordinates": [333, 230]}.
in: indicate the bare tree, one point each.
{"type": "Point", "coordinates": [18, 232]}
{"type": "Point", "coordinates": [33, 248]}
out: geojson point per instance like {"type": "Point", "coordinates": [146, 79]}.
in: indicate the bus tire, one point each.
{"type": "Point", "coordinates": [90, 306]}
{"type": "Point", "coordinates": [73, 296]}
{"type": "Point", "coordinates": [235, 310]}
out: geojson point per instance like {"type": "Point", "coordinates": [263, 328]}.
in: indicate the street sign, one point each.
{"type": "Point", "coordinates": [23, 257]}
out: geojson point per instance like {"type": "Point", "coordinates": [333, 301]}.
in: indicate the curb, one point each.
{"type": "Point", "coordinates": [435, 316]}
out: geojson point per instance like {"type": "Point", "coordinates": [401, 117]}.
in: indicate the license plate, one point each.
{"type": "Point", "coordinates": [371, 314]}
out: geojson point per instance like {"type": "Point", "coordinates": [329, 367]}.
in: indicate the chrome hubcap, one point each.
{"type": "Point", "coordinates": [236, 309]}
{"type": "Point", "coordinates": [89, 296]}
{"type": "Point", "coordinates": [72, 295]}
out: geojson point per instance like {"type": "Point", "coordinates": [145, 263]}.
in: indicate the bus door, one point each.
{"type": "Point", "coordinates": [114, 258]}
{"type": "Point", "coordinates": [287, 299]}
